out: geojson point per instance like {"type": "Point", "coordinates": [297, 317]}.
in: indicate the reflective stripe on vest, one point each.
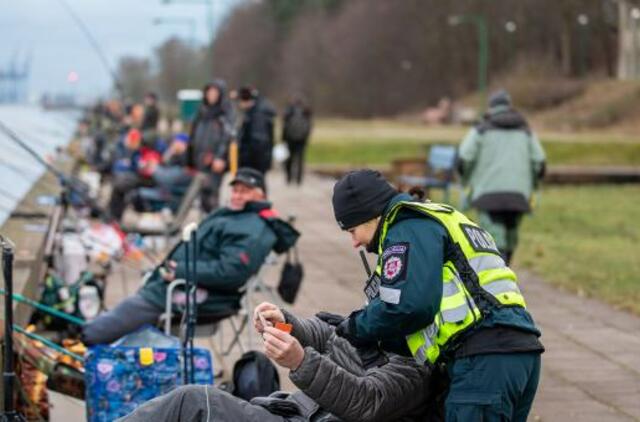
{"type": "Point", "coordinates": [458, 311]}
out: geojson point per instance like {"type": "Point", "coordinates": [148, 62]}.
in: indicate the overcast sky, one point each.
{"type": "Point", "coordinates": [122, 27]}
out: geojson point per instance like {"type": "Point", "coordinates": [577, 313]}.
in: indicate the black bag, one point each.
{"type": "Point", "coordinates": [291, 277]}
{"type": "Point", "coordinates": [254, 376]}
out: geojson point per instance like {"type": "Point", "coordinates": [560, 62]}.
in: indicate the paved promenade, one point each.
{"type": "Point", "coordinates": [591, 369]}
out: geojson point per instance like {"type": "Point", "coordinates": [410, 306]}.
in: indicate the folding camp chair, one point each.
{"type": "Point", "coordinates": [238, 319]}
{"type": "Point", "coordinates": [440, 170]}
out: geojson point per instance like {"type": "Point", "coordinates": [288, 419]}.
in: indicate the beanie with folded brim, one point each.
{"type": "Point", "coordinates": [360, 196]}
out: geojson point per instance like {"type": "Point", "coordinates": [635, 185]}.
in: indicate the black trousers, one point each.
{"type": "Point", "coordinates": [294, 165]}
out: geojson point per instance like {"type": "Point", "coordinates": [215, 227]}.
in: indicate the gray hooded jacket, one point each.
{"type": "Point", "coordinates": [332, 378]}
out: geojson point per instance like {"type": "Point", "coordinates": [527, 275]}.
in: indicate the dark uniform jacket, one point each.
{"type": "Point", "coordinates": [418, 285]}
{"type": "Point", "coordinates": [232, 246]}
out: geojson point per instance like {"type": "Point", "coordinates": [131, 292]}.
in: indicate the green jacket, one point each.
{"type": "Point", "coordinates": [422, 246]}
{"type": "Point", "coordinates": [232, 246]}
{"type": "Point", "coordinates": [501, 161]}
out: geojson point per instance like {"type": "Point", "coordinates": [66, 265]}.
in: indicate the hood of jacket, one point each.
{"type": "Point", "coordinates": [503, 117]}
{"type": "Point", "coordinates": [220, 107]}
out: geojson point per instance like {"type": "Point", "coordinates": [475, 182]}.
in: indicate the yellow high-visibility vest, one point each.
{"type": "Point", "coordinates": [458, 309]}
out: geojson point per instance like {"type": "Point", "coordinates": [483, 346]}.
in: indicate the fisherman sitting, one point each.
{"type": "Point", "coordinates": [171, 179]}
{"type": "Point", "coordinates": [232, 244]}
{"type": "Point", "coordinates": [334, 384]}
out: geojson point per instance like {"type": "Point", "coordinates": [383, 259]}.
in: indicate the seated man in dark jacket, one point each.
{"type": "Point", "coordinates": [334, 385]}
{"type": "Point", "coordinates": [232, 243]}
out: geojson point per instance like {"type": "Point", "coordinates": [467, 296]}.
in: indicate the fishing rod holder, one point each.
{"type": "Point", "coordinates": [8, 376]}
{"type": "Point", "coordinates": [190, 259]}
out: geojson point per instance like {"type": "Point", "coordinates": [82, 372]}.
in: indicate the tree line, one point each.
{"type": "Point", "coordinates": [365, 58]}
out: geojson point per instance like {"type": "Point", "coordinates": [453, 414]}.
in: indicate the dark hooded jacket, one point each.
{"type": "Point", "coordinates": [211, 130]}
{"type": "Point", "coordinates": [232, 245]}
{"type": "Point", "coordinates": [256, 136]}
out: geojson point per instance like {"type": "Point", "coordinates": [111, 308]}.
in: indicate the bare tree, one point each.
{"type": "Point", "coordinates": [135, 76]}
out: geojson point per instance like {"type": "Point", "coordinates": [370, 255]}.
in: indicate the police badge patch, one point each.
{"type": "Point", "coordinates": [394, 262]}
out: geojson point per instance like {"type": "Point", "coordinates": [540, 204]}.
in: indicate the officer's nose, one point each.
{"type": "Point", "coordinates": [355, 242]}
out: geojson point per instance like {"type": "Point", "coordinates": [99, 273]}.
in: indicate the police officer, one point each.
{"type": "Point", "coordinates": [441, 292]}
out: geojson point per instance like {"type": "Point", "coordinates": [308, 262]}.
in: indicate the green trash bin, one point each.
{"type": "Point", "coordinates": [189, 100]}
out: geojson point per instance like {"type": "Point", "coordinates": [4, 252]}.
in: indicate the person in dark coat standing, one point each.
{"type": "Point", "coordinates": [257, 131]}
{"type": "Point", "coordinates": [211, 133]}
{"type": "Point", "coordinates": [296, 129]}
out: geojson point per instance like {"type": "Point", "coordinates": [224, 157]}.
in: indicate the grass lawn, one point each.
{"type": "Point", "coordinates": [585, 239]}
{"type": "Point", "coordinates": [379, 142]}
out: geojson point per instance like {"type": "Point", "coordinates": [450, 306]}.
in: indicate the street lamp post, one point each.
{"type": "Point", "coordinates": [210, 11]}
{"type": "Point", "coordinates": [635, 17]}
{"type": "Point", "coordinates": [483, 49]}
{"type": "Point", "coordinates": [189, 22]}
{"type": "Point", "coordinates": [583, 22]}
{"type": "Point", "coordinates": [511, 27]}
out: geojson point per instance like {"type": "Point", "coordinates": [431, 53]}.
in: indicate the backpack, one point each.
{"type": "Point", "coordinates": [298, 126]}
{"type": "Point", "coordinates": [254, 376]}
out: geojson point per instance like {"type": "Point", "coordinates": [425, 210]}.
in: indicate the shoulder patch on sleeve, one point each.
{"type": "Point", "coordinates": [394, 262]}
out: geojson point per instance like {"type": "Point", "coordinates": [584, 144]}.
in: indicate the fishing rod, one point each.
{"type": "Point", "coordinates": [95, 45]}
{"type": "Point", "coordinates": [46, 309]}
{"type": "Point", "coordinates": [16, 139]}
{"type": "Point", "coordinates": [47, 342]}
{"type": "Point", "coordinates": [72, 184]}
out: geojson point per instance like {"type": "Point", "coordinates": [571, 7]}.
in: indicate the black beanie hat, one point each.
{"type": "Point", "coordinates": [360, 196]}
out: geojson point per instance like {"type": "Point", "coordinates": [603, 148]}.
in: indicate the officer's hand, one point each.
{"type": "Point", "coordinates": [329, 318]}
{"type": "Point", "coordinates": [343, 328]}
{"type": "Point", "coordinates": [347, 330]}
{"type": "Point", "coordinates": [283, 348]}
{"type": "Point", "coordinates": [270, 312]}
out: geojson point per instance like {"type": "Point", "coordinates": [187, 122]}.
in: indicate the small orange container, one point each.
{"type": "Point", "coordinates": [284, 327]}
